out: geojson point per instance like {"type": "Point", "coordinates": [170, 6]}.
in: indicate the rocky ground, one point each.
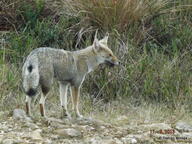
{"type": "Point", "coordinates": [16, 127]}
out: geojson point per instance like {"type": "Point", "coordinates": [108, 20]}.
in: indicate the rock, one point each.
{"type": "Point", "coordinates": [122, 120]}
{"type": "Point", "coordinates": [19, 114]}
{"type": "Point", "coordinates": [1, 113]}
{"type": "Point", "coordinates": [52, 119]}
{"type": "Point", "coordinates": [183, 126]}
{"type": "Point", "coordinates": [111, 141]}
{"type": "Point", "coordinates": [84, 121]}
{"type": "Point", "coordinates": [187, 135]}
{"type": "Point", "coordinates": [155, 127]}
{"type": "Point", "coordinates": [117, 141]}
{"type": "Point", "coordinates": [54, 137]}
{"type": "Point", "coordinates": [128, 140]}
{"type": "Point", "coordinates": [86, 128]}
{"type": "Point", "coordinates": [36, 135]}
{"type": "Point", "coordinates": [69, 132]}
{"type": "Point", "coordinates": [47, 141]}
{"type": "Point", "coordinates": [9, 141]}
{"type": "Point", "coordinates": [95, 140]}
{"type": "Point", "coordinates": [31, 125]}
{"type": "Point", "coordinates": [137, 138]}
{"type": "Point", "coordinates": [3, 126]}
{"type": "Point", "coordinates": [4, 114]}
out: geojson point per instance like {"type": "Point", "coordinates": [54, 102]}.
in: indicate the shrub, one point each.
{"type": "Point", "coordinates": [115, 14]}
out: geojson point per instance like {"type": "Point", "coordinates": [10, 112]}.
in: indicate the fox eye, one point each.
{"type": "Point", "coordinates": [110, 55]}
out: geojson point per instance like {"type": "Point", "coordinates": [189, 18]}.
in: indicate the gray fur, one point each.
{"type": "Point", "coordinates": [48, 63]}
{"type": "Point", "coordinates": [30, 79]}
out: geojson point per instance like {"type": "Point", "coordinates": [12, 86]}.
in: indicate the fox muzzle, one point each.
{"type": "Point", "coordinates": [111, 63]}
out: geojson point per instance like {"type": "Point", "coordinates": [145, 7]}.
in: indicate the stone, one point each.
{"type": "Point", "coordinates": [187, 135]}
{"type": "Point", "coordinates": [183, 126]}
{"type": "Point", "coordinates": [137, 138]}
{"type": "Point", "coordinates": [117, 141]}
{"type": "Point", "coordinates": [84, 121]}
{"type": "Point", "coordinates": [1, 113]}
{"type": "Point", "coordinates": [155, 127]}
{"type": "Point", "coordinates": [36, 135]}
{"type": "Point", "coordinates": [19, 114]}
{"type": "Point", "coordinates": [31, 125]}
{"type": "Point", "coordinates": [48, 141]}
{"type": "Point", "coordinates": [87, 128]}
{"type": "Point", "coordinates": [111, 141]}
{"type": "Point", "coordinates": [128, 140]}
{"type": "Point", "coordinates": [9, 141]}
{"type": "Point", "coordinates": [68, 132]}
{"type": "Point", "coordinates": [121, 119]}
{"type": "Point", "coordinates": [95, 140]}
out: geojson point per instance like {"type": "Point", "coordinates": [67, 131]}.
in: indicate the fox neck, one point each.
{"type": "Point", "coordinates": [92, 63]}
{"type": "Point", "coordinates": [90, 57]}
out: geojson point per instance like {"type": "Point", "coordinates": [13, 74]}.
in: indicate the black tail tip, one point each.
{"type": "Point", "coordinates": [31, 92]}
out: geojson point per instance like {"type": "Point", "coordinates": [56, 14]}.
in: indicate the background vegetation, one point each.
{"type": "Point", "coordinates": [152, 38]}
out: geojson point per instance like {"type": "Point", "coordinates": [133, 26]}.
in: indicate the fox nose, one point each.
{"type": "Point", "coordinates": [116, 63]}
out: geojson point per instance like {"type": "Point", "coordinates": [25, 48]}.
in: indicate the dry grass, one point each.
{"type": "Point", "coordinates": [115, 14]}
{"type": "Point", "coordinates": [116, 112]}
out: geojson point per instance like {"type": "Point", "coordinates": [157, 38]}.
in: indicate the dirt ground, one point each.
{"type": "Point", "coordinates": [16, 127]}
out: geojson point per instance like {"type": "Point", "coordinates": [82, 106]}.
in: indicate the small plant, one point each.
{"type": "Point", "coordinates": [30, 12]}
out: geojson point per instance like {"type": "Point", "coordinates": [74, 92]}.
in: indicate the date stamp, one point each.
{"type": "Point", "coordinates": [169, 134]}
{"type": "Point", "coordinates": [163, 131]}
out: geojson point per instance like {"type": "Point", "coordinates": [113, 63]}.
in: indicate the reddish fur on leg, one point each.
{"type": "Point", "coordinates": [27, 108]}
{"type": "Point", "coordinates": [41, 109]}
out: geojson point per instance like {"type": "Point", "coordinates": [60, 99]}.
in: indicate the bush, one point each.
{"type": "Point", "coordinates": [116, 14]}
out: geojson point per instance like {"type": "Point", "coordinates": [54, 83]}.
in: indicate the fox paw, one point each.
{"type": "Point", "coordinates": [80, 117]}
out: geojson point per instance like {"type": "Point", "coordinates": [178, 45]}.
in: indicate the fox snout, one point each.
{"type": "Point", "coordinates": [115, 61]}
{"type": "Point", "coordinates": [112, 62]}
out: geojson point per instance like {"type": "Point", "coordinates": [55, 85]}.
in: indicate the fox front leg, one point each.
{"type": "Point", "coordinates": [75, 96]}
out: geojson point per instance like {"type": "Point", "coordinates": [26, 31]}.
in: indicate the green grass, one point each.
{"type": "Point", "coordinates": [154, 48]}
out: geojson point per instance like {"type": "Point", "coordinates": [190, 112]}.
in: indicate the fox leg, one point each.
{"type": "Point", "coordinates": [28, 105]}
{"type": "Point", "coordinates": [42, 104]}
{"type": "Point", "coordinates": [45, 82]}
{"type": "Point", "coordinates": [75, 95]}
{"type": "Point", "coordinates": [72, 100]}
{"type": "Point", "coordinates": [63, 99]}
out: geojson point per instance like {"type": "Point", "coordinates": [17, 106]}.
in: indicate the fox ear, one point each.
{"type": "Point", "coordinates": [96, 42]}
{"type": "Point", "coordinates": [96, 35]}
{"type": "Point", "coordinates": [106, 36]}
{"type": "Point", "coordinates": [105, 39]}
{"type": "Point", "coordinates": [96, 45]}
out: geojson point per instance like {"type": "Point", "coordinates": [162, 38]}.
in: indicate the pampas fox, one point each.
{"type": "Point", "coordinates": [68, 67]}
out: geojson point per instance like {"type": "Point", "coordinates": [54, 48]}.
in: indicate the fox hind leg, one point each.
{"type": "Point", "coordinates": [28, 105]}
{"type": "Point", "coordinates": [45, 90]}
{"type": "Point", "coordinates": [63, 99]}
{"type": "Point", "coordinates": [42, 104]}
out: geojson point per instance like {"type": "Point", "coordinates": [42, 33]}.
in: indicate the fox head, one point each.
{"type": "Point", "coordinates": [103, 52]}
